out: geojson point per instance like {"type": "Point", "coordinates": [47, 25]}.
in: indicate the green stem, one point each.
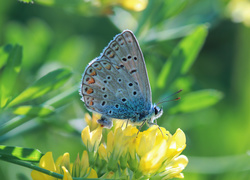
{"type": "Point", "coordinates": [32, 166]}
{"type": "Point", "coordinates": [13, 123]}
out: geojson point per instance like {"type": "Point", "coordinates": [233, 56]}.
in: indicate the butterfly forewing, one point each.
{"type": "Point", "coordinates": [125, 51]}
{"type": "Point", "coordinates": [116, 83]}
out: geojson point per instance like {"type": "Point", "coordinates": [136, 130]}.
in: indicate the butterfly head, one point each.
{"type": "Point", "coordinates": [157, 112]}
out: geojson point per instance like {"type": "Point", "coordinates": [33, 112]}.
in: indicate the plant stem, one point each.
{"type": "Point", "coordinates": [32, 166]}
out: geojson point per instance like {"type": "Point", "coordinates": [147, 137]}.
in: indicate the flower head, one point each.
{"type": "Point", "coordinates": [80, 168]}
{"type": "Point", "coordinates": [121, 151]}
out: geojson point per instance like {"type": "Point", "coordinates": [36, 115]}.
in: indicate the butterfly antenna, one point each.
{"type": "Point", "coordinates": [162, 101]}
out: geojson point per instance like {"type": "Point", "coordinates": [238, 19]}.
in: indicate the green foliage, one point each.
{"type": "Point", "coordinates": [25, 154]}
{"type": "Point", "coordinates": [197, 100]}
{"type": "Point", "coordinates": [53, 41]}
{"type": "Point", "coordinates": [47, 83]}
{"type": "Point", "coordinates": [182, 57]}
{"type": "Point", "coordinates": [9, 74]}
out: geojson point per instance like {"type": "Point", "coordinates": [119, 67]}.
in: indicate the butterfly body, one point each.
{"type": "Point", "coordinates": [116, 83]}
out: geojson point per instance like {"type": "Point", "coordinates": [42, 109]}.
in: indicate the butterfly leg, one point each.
{"type": "Point", "coordinates": [105, 122]}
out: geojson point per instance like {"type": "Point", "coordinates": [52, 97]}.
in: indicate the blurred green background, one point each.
{"type": "Point", "coordinates": [214, 111]}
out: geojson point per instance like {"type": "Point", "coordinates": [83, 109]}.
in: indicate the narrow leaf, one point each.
{"type": "Point", "coordinates": [40, 111]}
{"type": "Point", "coordinates": [182, 58]}
{"type": "Point", "coordinates": [197, 100]}
{"type": "Point", "coordinates": [26, 154]}
{"type": "Point", "coordinates": [4, 54]}
{"type": "Point", "coordinates": [9, 74]}
{"type": "Point", "coordinates": [47, 83]}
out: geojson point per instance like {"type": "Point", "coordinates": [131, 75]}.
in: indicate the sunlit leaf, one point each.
{"type": "Point", "coordinates": [4, 54]}
{"type": "Point", "coordinates": [26, 154]}
{"type": "Point", "coordinates": [26, 1]}
{"type": "Point", "coordinates": [9, 74]}
{"type": "Point", "coordinates": [34, 110]}
{"type": "Point", "coordinates": [197, 100]}
{"type": "Point", "coordinates": [47, 83]}
{"type": "Point", "coordinates": [182, 58]}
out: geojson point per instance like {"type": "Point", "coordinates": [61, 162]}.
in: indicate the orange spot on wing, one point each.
{"type": "Point", "coordinates": [93, 73]}
{"type": "Point", "coordinates": [91, 103]}
{"type": "Point", "coordinates": [89, 91]}
{"type": "Point", "coordinates": [99, 68]}
{"type": "Point", "coordinates": [112, 55]}
{"type": "Point", "coordinates": [108, 67]}
{"type": "Point", "coordinates": [91, 81]}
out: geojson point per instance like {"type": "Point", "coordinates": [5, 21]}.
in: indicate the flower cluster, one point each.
{"type": "Point", "coordinates": [122, 153]}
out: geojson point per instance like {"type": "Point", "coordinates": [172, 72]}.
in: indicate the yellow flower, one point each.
{"type": "Point", "coordinates": [122, 152]}
{"type": "Point", "coordinates": [92, 122]}
{"type": "Point", "coordinates": [148, 154]}
{"type": "Point", "coordinates": [63, 166]}
{"type": "Point", "coordinates": [240, 11]}
{"type": "Point", "coordinates": [134, 5]}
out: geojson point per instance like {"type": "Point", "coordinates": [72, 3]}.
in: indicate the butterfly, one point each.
{"type": "Point", "coordinates": [116, 84]}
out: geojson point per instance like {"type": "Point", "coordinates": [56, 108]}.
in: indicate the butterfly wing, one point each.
{"type": "Point", "coordinates": [125, 51]}
{"type": "Point", "coordinates": [116, 83]}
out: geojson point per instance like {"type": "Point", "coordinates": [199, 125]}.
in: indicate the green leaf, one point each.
{"type": "Point", "coordinates": [182, 58]}
{"type": "Point", "coordinates": [26, 154]}
{"type": "Point", "coordinates": [197, 100]}
{"type": "Point", "coordinates": [40, 111]}
{"type": "Point", "coordinates": [26, 1]}
{"type": "Point", "coordinates": [47, 83]}
{"type": "Point", "coordinates": [4, 54]}
{"type": "Point", "coordinates": [9, 74]}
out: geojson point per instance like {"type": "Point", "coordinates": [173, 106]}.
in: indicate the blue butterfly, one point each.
{"type": "Point", "coordinates": [116, 84]}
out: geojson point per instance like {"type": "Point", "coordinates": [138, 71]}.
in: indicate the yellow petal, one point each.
{"type": "Point", "coordinates": [36, 175]}
{"type": "Point", "coordinates": [176, 144]}
{"type": "Point", "coordinates": [84, 163]}
{"type": "Point", "coordinates": [66, 174]}
{"type": "Point", "coordinates": [92, 173]}
{"type": "Point", "coordinates": [135, 5]}
{"type": "Point", "coordinates": [147, 141]}
{"type": "Point", "coordinates": [58, 164]}
{"type": "Point", "coordinates": [110, 142]}
{"type": "Point", "coordinates": [102, 152]}
{"type": "Point", "coordinates": [46, 162]}
{"type": "Point", "coordinates": [85, 135]}
{"type": "Point", "coordinates": [152, 161]}
{"type": "Point", "coordinates": [66, 161]}
{"type": "Point", "coordinates": [91, 139]}
{"type": "Point", "coordinates": [175, 167]}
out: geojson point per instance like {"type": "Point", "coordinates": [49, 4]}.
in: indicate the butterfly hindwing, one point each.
{"type": "Point", "coordinates": [107, 92]}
